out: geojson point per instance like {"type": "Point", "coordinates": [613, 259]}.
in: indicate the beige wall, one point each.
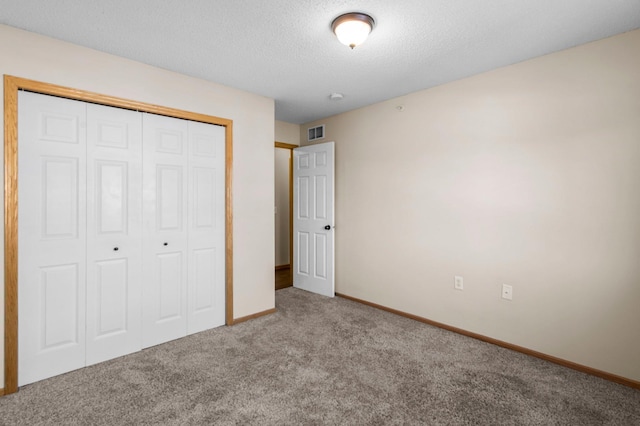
{"type": "Point", "coordinates": [282, 156]}
{"type": "Point", "coordinates": [28, 55]}
{"type": "Point", "coordinates": [287, 132]}
{"type": "Point", "coordinates": [527, 175]}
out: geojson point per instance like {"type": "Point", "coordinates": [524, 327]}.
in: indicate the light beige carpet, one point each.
{"type": "Point", "coordinates": [324, 361]}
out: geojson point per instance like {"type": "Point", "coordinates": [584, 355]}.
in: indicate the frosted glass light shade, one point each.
{"type": "Point", "coordinates": [352, 29]}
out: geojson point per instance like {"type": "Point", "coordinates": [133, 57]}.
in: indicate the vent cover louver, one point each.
{"type": "Point", "coordinates": [315, 133]}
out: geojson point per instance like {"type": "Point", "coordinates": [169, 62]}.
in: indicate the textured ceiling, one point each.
{"type": "Point", "coordinates": [284, 49]}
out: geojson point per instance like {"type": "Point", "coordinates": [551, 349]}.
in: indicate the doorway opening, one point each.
{"type": "Point", "coordinates": [283, 214]}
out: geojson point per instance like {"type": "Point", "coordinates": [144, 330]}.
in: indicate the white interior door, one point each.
{"type": "Point", "coordinates": [206, 227]}
{"type": "Point", "coordinates": [114, 239]}
{"type": "Point", "coordinates": [313, 218]}
{"type": "Point", "coordinates": [51, 236]}
{"type": "Point", "coordinates": [164, 305]}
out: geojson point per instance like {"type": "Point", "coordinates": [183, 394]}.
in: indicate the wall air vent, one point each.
{"type": "Point", "coordinates": [315, 133]}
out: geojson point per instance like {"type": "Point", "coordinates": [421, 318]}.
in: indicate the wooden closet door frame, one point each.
{"type": "Point", "coordinates": [11, 87]}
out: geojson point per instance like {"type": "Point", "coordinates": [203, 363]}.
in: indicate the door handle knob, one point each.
{"type": "Point", "coordinates": [328, 227]}
{"type": "Point", "coordinates": [115, 249]}
{"type": "Point", "coordinates": [165, 244]}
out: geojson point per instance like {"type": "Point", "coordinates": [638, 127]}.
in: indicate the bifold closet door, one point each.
{"type": "Point", "coordinates": [114, 237]}
{"type": "Point", "coordinates": [52, 236]}
{"type": "Point", "coordinates": [206, 226]}
{"type": "Point", "coordinates": [164, 305]}
{"type": "Point", "coordinates": [79, 257]}
{"type": "Point", "coordinates": [184, 217]}
{"type": "Point", "coordinates": [121, 238]}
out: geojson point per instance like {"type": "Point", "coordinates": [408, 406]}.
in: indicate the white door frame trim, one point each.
{"type": "Point", "coordinates": [11, 87]}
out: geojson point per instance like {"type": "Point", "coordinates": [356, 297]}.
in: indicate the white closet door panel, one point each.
{"type": "Point", "coordinates": [114, 237]}
{"type": "Point", "coordinates": [111, 287]}
{"type": "Point", "coordinates": [164, 307]}
{"type": "Point", "coordinates": [170, 268]}
{"type": "Point", "coordinates": [170, 195]}
{"type": "Point", "coordinates": [51, 236]}
{"type": "Point", "coordinates": [206, 232]}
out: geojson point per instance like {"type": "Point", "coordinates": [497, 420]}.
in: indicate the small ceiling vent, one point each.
{"type": "Point", "coordinates": [315, 133]}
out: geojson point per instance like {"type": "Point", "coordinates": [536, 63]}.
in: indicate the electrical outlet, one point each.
{"type": "Point", "coordinates": [507, 292]}
{"type": "Point", "coordinates": [458, 283]}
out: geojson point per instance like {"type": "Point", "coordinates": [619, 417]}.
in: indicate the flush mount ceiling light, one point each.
{"type": "Point", "coordinates": [352, 29]}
